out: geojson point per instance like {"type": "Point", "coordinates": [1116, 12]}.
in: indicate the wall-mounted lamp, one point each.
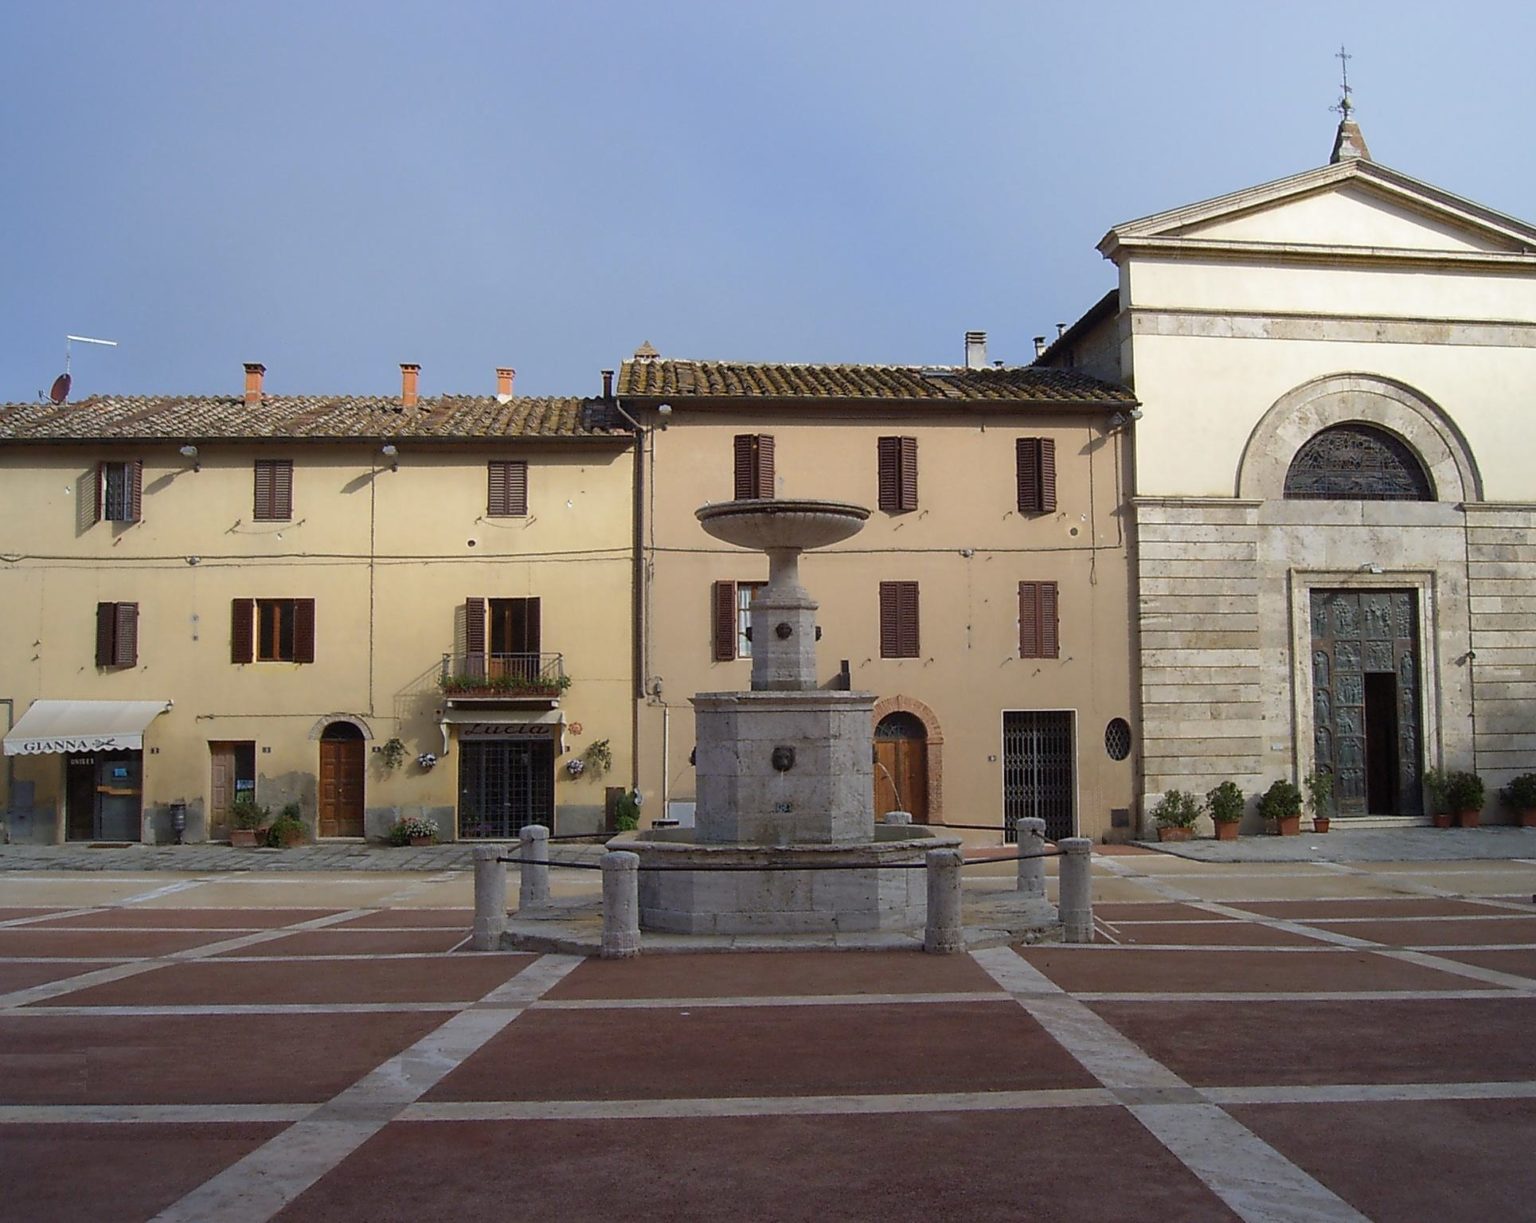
{"type": "Point", "coordinates": [391, 452]}
{"type": "Point", "coordinates": [189, 451]}
{"type": "Point", "coordinates": [1120, 419]}
{"type": "Point", "coordinates": [665, 412]}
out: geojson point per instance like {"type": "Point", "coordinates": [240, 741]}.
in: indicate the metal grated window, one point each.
{"type": "Point", "coordinates": [1117, 738]}
{"type": "Point", "coordinates": [1039, 771]}
{"type": "Point", "coordinates": [1356, 463]}
{"type": "Point", "coordinates": [505, 784]}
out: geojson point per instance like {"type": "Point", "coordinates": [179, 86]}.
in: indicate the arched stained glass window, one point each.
{"type": "Point", "coordinates": [1356, 463]}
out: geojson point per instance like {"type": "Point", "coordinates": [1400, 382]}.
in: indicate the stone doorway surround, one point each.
{"type": "Point", "coordinates": [934, 745]}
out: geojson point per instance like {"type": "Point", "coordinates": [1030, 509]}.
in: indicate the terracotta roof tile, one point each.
{"type": "Point", "coordinates": [658, 378]}
{"type": "Point", "coordinates": [227, 418]}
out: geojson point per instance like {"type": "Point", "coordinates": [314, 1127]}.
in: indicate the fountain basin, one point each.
{"type": "Point", "coordinates": [740, 900]}
{"type": "Point", "coordinates": [772, 523]}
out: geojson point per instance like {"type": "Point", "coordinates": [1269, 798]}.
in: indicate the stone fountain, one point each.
{"type": "Point", "coordinates": [784, 772]}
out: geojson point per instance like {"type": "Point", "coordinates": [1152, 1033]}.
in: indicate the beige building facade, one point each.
{"type": "Point", "coordinates": [369, 607]}
{"type": "Point", "coordinates": [1333, 515]}
{"type": "Point", "coordinates": [986, 602]}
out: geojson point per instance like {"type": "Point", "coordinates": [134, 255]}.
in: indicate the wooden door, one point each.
{"type": "Point", "coordinates": [342, 760]}
{"type": "Point", "coordinates": [221, 787]}
{"type": "Point", "coordinates": [901, 767]}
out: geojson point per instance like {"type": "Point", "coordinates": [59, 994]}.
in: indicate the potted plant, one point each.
{"type": "Point", "coordinates": [413, 830]}
{"type": "Point", "coordinates": [287, 829]}
{"type": "Point", "coordinates": [392, 753]}
{"type": "Point", "coordinates": [246, 816]}
{"type": "Point", "coordinates": [1319, 787]}
{"type": "Point", "coordinates": [1282, 804]}
{"type": "Point", "coordinates": [1175, 814]}
{"type": "Point", "coordinates": [1464, 796]}
{"type": "Point", "coordinates": [626, 811]}
{"type": "Point", "coordinates": [1520, 794]}
{"type": "Point", "coordinates": [1225, 805]}
{"type": "Point", "coordinates": [1437, 782]}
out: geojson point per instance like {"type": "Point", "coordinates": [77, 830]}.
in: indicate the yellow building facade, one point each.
{"type": "Point", "coordinates": [372, 608]}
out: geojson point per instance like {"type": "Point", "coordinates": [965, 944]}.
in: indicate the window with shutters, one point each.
{"type": "Point", "coordinates": [272, 630]}
{"type": "Point", "coordinates": [1035, 462]}
{"type": "Point", "coordinates": [274, 490]}
{"type": "Point", "coordinates": [754, 466]}
{"type": "Point", "coordinates": [117, 634]}
{"type": "Point", "coordinates": [1039, 620]}
{"type": "Point", "coordinates": [898, 474]}
{"type": "Point", "coordinates": [507, 489]}
{"type": "Point", "coordinates": [898, 620]}
{"type": "Point", "coordinates": [120, 491]}
{"type": "Point", "coordinates": [731, 619]}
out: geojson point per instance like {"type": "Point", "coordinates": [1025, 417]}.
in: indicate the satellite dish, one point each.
{"type": "Point", "coordinates": [60, 391]}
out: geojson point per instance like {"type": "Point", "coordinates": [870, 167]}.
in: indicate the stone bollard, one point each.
{"type": "Point", "coordinates": [621, 904]}
{"type": "Point", "coordinates": [1076, 899]}
{"type": "Point", "coordinates": [1031, 870]}
{"type": "Point", "coordinates": [945, 933]}
{"type": "Point", "coordinates": [896, 817]}
{"type": "Point", "coordinates": [533, 885]}
{"type": "Point", "coordinates": [490, 898]}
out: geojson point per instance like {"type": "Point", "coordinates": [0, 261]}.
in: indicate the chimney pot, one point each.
{"type": "Point", "coordinates": [607, 384]}
{"type": "Point", "coordinates": [408, 376]}
{"type": "Point", "coordinates": [504, 376]}
{"type": "Point", "coordinates": [1039, 346]}
{"type": "Point", "coordinates": [975, 350]}
{"type": "Point", "coordinates": [254, 372]}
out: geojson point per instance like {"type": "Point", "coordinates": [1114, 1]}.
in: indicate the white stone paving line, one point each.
{"type": "Point", "coordinates": [21, 998]}
{"type": "Point", "coordinates": [1369, 995]}
{"type": "Point", "coordinates": [256, 1187]}
{"type": "Point", "coordinates": [1245, 1172]}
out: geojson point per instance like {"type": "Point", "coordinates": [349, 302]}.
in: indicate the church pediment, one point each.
{"type": "Point", "coordinates": [1353, 207]}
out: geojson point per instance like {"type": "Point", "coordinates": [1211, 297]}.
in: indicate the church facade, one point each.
{"type": "Point", "coordinates": [1334, 549]}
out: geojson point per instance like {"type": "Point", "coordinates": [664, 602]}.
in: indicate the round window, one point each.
{"type": "Point", "coordinates": [1117, 739]}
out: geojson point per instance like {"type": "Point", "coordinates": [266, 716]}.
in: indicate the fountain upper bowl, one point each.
{"type": "Point", "coordinates": [782, 523]}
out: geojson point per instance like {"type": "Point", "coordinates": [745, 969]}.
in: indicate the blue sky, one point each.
{"type": "Point", "coordinates": [334, 188]}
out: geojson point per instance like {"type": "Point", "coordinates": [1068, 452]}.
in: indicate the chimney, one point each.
{"type": "Point", "coordinates": [607, 384]}
{"type": "Point", "coordinates": [504, 376]}
{"type": "Point", "coordinates": [1039, 347]}
{"type": "Point", "coordinates": [408, 376]}
{"type": "Point", "coordinates": [975, 350]}
{"type": "Point", "coordinates": [253, 375]}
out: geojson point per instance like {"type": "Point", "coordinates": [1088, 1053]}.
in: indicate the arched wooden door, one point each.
{"type": "Point", "coordinates": [901, 766]}
{"type": "Point", "coordinates": [342, 760]}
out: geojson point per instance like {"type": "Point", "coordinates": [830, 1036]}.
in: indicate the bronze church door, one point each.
{"type": "Point", "coordinates": [1365, 699]}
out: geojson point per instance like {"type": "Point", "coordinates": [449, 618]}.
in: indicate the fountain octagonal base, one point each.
{"type": "Point", "coordinates": [782, 900]}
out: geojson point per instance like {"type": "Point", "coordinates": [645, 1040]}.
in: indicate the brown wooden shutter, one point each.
{"type": "Point", "coordinates": [1027, 462]}
{"type": "Point", "coordinates": [303, 630]}
{"type": "Point", "coordinates": [496, 490]}
{"type": "Point", "coordinates": [899, 636]}
{"type": "Point", "coordinates": [889, 451]}
{"type": "Point", "coordinates": [744, 468]}
{"type": "Point", "coordinates": [242, 630]}
{"type": "Point", "coordinates": [134, 471]}
{"type": "Point", "coordinates": [101, 491]}
{"type": "Point", "coordinates": [517, 488]}
{"type": "Point", "coordinates": [764, 465]}
{"type": "Point", "coordinates": [906, 600]}
{"type": "Point", "coordinates": [889, 619]}
{"type": "Point", "coordinates": [723, 620]}
{"type": "Point", "coordinates": [908, 492]}
{"type": "Point", "coordinates": [274, 490]}
{"type": "Point", "coordinates": [1039, 626]}
{"type": "Point", "coordinates": [106, 626]}
{"type": "Point", "coordinates": [474, 636]}
{"type": "Point", "coordinates": [125, 638]}
{"type": "Point", "coordinates": [507, 488]}
{"type": "Point", "coordinates": [1047, 475]}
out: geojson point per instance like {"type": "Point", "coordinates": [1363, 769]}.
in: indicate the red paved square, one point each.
{"type": "Point", "coordinates": [356, 942]}
{"type": "Point", "coordinates": [103, 1173]}
{"type": "Point", "coordinates": [1158, 971]}
{"type": "Point", "coordinates": [1209, 934]}
{"type": "Point", "coordinates": [145, 918]}
{"type": "Point", "coordinates": [14, 976]}
{"type": "Point", "coordinates": [1386, 906]}
{"type": "Point", "coordinates": [1412, 1160]}
{"type": "Point", "coordinates": [923, 1167]}
{"type": "Point", "coordinates": [1392, 1040]}
{"type": "Point", "coordinates": [459, 919]}
{"type": "Point", "coordinates": [1154, 911]}
{"type": "Point", "coordinates": [211, 982]}
{"type": "Point", "coordinates": [622, 1054]}
{"type": "Point", "coordinates": [13, 914]}
{"type": "Point", "coordinates": [781, 974]}
{"type": "Point", "coordinates": [1519, 961]}
{"type": "Point", "coordinates": [105, 944]}
{"type": "Point", "coordinates": [195, 1059]}
{"type": "Point", "coordinates": [1413, 933]}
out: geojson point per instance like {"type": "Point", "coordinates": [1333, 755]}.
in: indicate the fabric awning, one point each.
{"type": "Point", "coordinates": [482, 723]}
{"type": "Point", "coordinates": [82, 726]}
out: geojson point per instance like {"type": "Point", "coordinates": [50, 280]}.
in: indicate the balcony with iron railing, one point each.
{"type": "Point", "coordinates": [478, 676]}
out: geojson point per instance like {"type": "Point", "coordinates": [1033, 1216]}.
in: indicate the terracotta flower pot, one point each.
{"type": "Point", "coordinates": [1168, 832]}
{"type": "Point", "coordinates": [243, 838]}
{"type": "Point", "coordinates": [421, 840]}
{"type": "Point", "coordinates": [1289, 826]}
{"type": "Point", "coordinates": [1320, 823]}
{"type": "Point", "coordinates": [1226, 830]}
{"type": "Point", "coordinates": [1443, 819]}
{"type": "Point", "coordinates": [1528, 818]}
{"type": "Point", "coordinates": [1468, 819]}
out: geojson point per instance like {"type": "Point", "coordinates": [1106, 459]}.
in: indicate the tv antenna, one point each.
{"type": "Point", "coordinates": [59, 392]}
